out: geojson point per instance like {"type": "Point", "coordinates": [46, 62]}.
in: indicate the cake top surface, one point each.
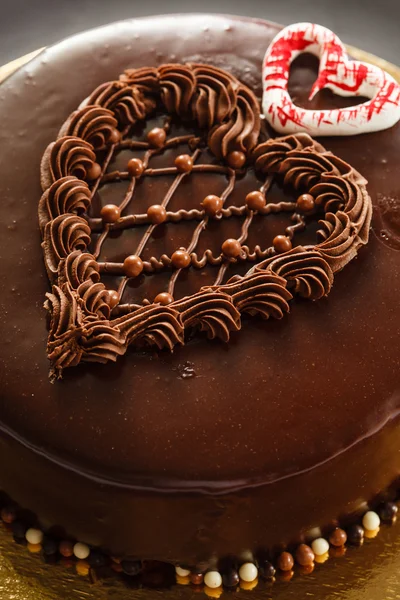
{"type": "Point", "coordinates": [290, 381]}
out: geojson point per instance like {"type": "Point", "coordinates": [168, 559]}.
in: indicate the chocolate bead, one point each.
{"type": "Point", "coordinates": [181, 259]}
{"type": "Point", "coordinates": [97, 559]}
{"type": "Point", "coordinates": [8, 515]}
{"type": "Point", "coordinates": [285, 561]}
{"type": "Point", "coordinates": [266, 569]}
{"type": "Point", "coordinates": [114, 136]}
{"type": "Point", "coordinates": [156, 137]}
{"type": "Point", "coordinates": [184, 163]}
{"type": "Point", "coordinates": [133, 266]}
{"type": "Point", "coordinates": [196, 578]}
{"type": "Point", "coordinates": [131, 567]}
{"type": "Point", "coordinates": [163, 298]}
{"type": "Point", "coordinates": [212, 205]}
{"type": "Point", "coordinates": [255, 200]}
{"type": "Point", "coordinates": [49, 546]}
{"type": "Point", "coordinates": [281, 243]}
{"type": "Point", "coordinates": [355, 535]}
{"type": "Point", "coordinates": [110, 213]}
{"type": "Point", "coordinates": [66, 549]}
{"type": "Point", "coordinates": [156, 214]}
{"type": "Point", "coordinates": [112, 298]}
{"type": "Point", "coordinates": [93, 172]}
{"type": "Point", "coordinates": [305, 203]}
{"type": "Point", "coordinates": [231, 248]}
{"type": "Point", "coordinates": [230, 578]}
{"type": "Point", "coordinates": [338, 537]}
{"type": "Point", "coordinates": [388, 511]}
{"type": "Point", "coordinates": [135, 167]}
{"type": "Point", "coordinates": [304, 555]}
{"type": "Point", "coordinates": [19, 530]}
{"type": "Point", "coordinates": [236, 159]}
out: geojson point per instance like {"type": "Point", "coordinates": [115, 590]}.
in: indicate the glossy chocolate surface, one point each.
{"type": "Point", "coordinates": [216, 448]}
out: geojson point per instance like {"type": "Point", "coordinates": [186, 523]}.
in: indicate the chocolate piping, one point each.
{"type": "Point", "coordinates": [82, 328]}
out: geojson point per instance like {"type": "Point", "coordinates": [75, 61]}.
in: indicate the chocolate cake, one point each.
{"type": "Point", "coordinates": [215, 371]}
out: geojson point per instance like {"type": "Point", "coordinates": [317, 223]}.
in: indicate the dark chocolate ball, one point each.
{"type": "Point", "coordinates": [184, 163]}
{"type": "Point", "coordinates": [212, 205]}
{"type": "Point", "coordinates": [255, 200]}
{"type": "Point", "coordinates": [156, 214]}
{"type": "Point", "coordinates": [97, 559]}
{"type": "Point", "coordinates": [18, 529]}
{"type": "Point", "coordinates": [355, 535]}
{"type": "Point", "coordinates": [266, 569]}
{"type": "Point", "coordinates": [181, 259]}
{"type": "Point", "coordinates": [388, 511]}
{"type": "Point", "coordinates": [281, 243]}
{"type": "Point", "coordinates": [305, 203]}
{"type": "Point", "coordinates": [231, 248]}
{"type": "Point", "coordinates": [156, 137]}
{"type": "Point", "coordinates": [131, 567]}
{"type": "Point", "coordinates": [49, 546]}
{"type": "Point", "coordinates": [110, 213]}
{"type": "Point", "coordinates": [135, 167]}
{"type": "Point", "coordinates": [230, 578]}
{"type": "Point", "coordinates": [133, 266]}
{"type": "Point", "coordinates": [236, 159]}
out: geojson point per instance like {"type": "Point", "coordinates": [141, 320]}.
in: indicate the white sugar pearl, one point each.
{"type": "Point", "coordinates": [320, 546]}
{"type": "Point", "coordinates": [181, 572]}
{"type": "Point", "coordinates": [371, 520]}
{"type": "Point", "coordinates": [213, 579]}
{"type": "Point", "coordinates": [248, 572]}
{"type": "Point", "coordinates": [81, 551]}
{"type": "Point", "coordinates": [34, 536]}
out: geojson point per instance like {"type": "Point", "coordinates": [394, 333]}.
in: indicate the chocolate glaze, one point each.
{"type": "Point", "coordinates": [291, 425]}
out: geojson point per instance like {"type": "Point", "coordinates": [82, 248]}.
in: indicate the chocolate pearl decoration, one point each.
{"type": "Point", "coordinates": [81, 551]}
{"type": "Point", "coordinates": [180, 259]}
{"type": "Point", "coordinates": [281, 243]}
{"type": "Point", "coordinates": [8, 515]}
{"type": "Point", "coordinates": [93, 172]}
{"type": "Point", "coordinates": [305, 203]}
{"type": "Point", "coordinates": [255, 200]}
{"type": "Point", "coordinates": [49, 546]}
{"type": "Point", "coordinates": [196, 578]}
{"type": "Point", "coordinates": [266, 569]}
{"type": "Point", "coordinates": [338, 537]}
{"type": "Point", "coordinates": [163, 298]}
{"type": "Point", "coordinates": [97, 559]}
{"type": "Point", "coordinates": [66, 549]}
{"type": "Point", "coordinates": [135, 167]}
{"type": "Point", "coordinates": [133, 266]}
{"type": "Point", "coordinates": [110, 213]}
{"type": "Point", "coordinates": [156, 214]}
{"type": "Point", "coordinates": [230, 578]}
{"type": "Point", "coordinates": [181, 571]}
{"type": "Point", "coordinates": [213, 579]}
{"type": "Point", "coordinates": [212, 205]}
{"type": "Point", "coordinates": [112, 298]}
{"type": "Point", "coordinates": [320, 546]}
{"type": "Point", "coordinates": [304, 555]}
{"type": "Point", "coordinates": [156, 137]}
{"type": "Point", "coordinates": [231, 248]}
{"type": "Point", "coordinates": [355, 535]}
{"type": "Point", "coordinates": [248, 572]}
{"type": "Point", "coordinates": [371, 521]}
{"type": "Point", "coordinates": [131, 567]}
{"type": "Point", "coordinates": [388, 512]}
{"type": "Point", "coordinates": [236, 159]}
{"type": "Point", "coordinates": [184, 163]}
{"type": "Point", "coordinates": [285, 561]}
{"type": "Point", "coordinates": [114, 136]}
{"type": "Point", "coordinates": [18, 529]}
{"type": "Point", "coordinates": [34, 536]}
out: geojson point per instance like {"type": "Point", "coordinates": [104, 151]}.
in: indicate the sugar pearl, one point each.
{"type": "Point", "coordinates": [255, 200]}
{"type": "Point", "coordinates": [182, 572]}
{"type": "Point", "coordinates": [282, 243]}
{"type": "Point", "coordinates": [304, 555]}
{"type": "Point", "coordinates": [213, 579]}
{"type": "Point", "coordinates": [355, 535]}
{"type": "Point", "coordinates": [388, 511]}
{"type": "Point", "coordinates": [248, 572]}
{"type": "Point", "coordinates": [34, 536]}
{"type": "Point", "coordinates": [93, 172]}
{"type": "Point", "coordinates": [196, 578]}
{"type": "Point", "coordinates": [81, 551]}
{"type": "Point", "coordinates": [371, 520]}
{"type": "Point", "coordinates": [285, 561]}
{"type": "Point", "coordinates": [184, 163]}
{"type": "Point", "coordinates": [156, 214]}
{"type": "Point", "coordinates": [320, 546]}
{"type": "Point", "coordinates": [305, 203]}
{"type": "Point", "coordinates": [181, 259]}
{"type": "Point", "coordinates": [135, 167]}
{"type": "Point", "coordinates": [110, 213]}
{"type": "Point", "coordinates": [163, 298]}
{"type": "Point", "coordinates": [338, 537]}
{"type": "Point", "coordinates": [112, 298]}
{"type": "Point", "coordinates": [212, 205]}
{"type": "Point", "coordinates": [156, 137]}
{"type": "Point", "coordinates": [114, 136]}
{"type": "Point", "coordinates": [236, 159]}
{"type": "Point", "coordinates": [231, 248]}
{"type": "Point", "coordinates": [133, 266]}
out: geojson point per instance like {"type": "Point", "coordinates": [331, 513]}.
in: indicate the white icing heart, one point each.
{"type": "Point", "coordinates": [345, 77]}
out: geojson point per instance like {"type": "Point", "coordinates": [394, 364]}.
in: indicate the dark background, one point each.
{"type": "Point", "coordinates": [28, 24]}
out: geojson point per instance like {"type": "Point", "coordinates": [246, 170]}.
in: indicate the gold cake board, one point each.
{"type": "Point", "coordinates": [371, 572]}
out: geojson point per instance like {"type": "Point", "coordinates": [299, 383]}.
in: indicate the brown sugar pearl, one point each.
{"type": "Point", "coordinates": [135, 167]}
{"type": "Point", "coordinates": [255, 200]}
{"type": "Point", "coordinates": [66, 549]}
{"type": "Point", "coordinates": [133, 265]}
{"type": "Point", "coordinates": [93, 172]}
{"type": "Point", "coordinates": [304, 555]}
{"type": "Point", "coordinates": [338, 537]}
{"type": "Point", "coordinates": [114, 136]}
{"type": "Point", "coordinates": [110, 213]}
{"type": "Point", "coordinates": [156, 137]}
{"type": "Point", "coordinates": [196, 578]}
{"type": "Point", "coordinates": [184, 163]}
{"type": "Point", "coordinates": [281, 243]}
{"type": "Point", "coordinates": [112, 298]}
{"type": "Point", "coordinates": [8, 515]}
{"type": "Point", "coordinates": [156, 214]}
{"type": "Point", "coordinates": [212, 205]}
{"type": "Point", "coordinates": [236, 159]}
{"type": "Point", "coordinates": [163, 298]}
{"type": "Point", "coordinates": [305, 203]}
{"type": "Point", "coordinates": [181, 259]}
{"type": "Point", "coordinates": [285, 561]}
{"type": "Point", "coordinates": [231, 248]}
